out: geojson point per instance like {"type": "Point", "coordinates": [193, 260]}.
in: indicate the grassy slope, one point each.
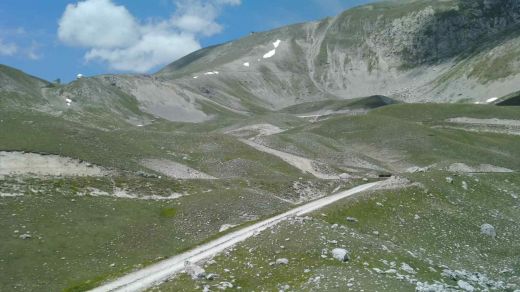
{"type": "Point", "coordinates": [397, 136]}
{"type": "Point", "coordinates": [93, 232]}
{"type": "Point", "coordinates": [445, 233]}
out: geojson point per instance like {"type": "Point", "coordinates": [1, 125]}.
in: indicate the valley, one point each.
{"type": "Point", "coordinates": [377, 150]}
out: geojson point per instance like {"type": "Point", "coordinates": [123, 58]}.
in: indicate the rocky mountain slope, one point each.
{"type": "Point", "coordinates": [412, 51]}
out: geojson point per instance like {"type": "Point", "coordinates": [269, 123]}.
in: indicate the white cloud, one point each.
{"type": "Point", "coordinates": [155, 48]}
{"type": "Point", "coordinates": [113, 35]}
{"type": "Point", "coordinates": [7, 49]}
{"type": "Point", "coordinates": [199, 17]}
{"type": "Point", "coordinates": [32, 51]}
{"type": "Point", "coordinates": [98, 23]}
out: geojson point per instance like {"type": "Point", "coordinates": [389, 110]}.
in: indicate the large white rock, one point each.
{"type": "Point", "coordinates": [340, 254]}
{"type": "Point", "coordinates": [282, 261]}
{"type": "Point", "coordinates": [465, 286]}
{"type": "Point", "coordinates": [488, 229]}
{"type": "Point", "coordinates": [195, 272]}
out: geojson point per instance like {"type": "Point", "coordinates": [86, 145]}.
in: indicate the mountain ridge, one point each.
{"type": "Point", "coordinates": [411, 51]}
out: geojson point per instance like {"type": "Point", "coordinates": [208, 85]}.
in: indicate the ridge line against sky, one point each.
{"type": "Point", "coordinates": [62, 38]}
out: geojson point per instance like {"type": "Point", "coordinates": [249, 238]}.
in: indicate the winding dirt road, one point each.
{"type": "Point", "coordinates": [159, 272]}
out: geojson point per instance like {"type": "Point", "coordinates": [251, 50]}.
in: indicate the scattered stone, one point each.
{"type": "Point", "coordinates": [425, 287]}
{"type": "Point", "coordinates": [489, 230]}
{"type": "Point", "coordinates": [417, 217]}
{"type": "Point", "coordinates": [465, 185]}
{"type": "Point", "coordinates": [282, 261]}
{"type": "Point", "coordinates": [449, 180]}
{"type": "Point", "coordinates": [376, 233]}
{"type": "Point", "coordinates": [194, 271]}
{"type": "Point", "coordinates": [407, 268]}
{"type": "Point", "coordinates": [224, 285]}
{"type": "Point", "coordinates": [112, 265]}
{"type": "Point", "coordinates": [211, 277]}
{"type": "Point", "coordinates": [344, 176]}
{"type": "Point", "coordinates": [25, 236]}
{"type": "Point", "coordinates": [416, 169]}
{"type": "Point", "coordinates": [465, 286]}
{"type": "Point", "coordinates": [352, 219]}
{"type": "Point", "coordinates": [340, 254]}
{"type": "Point", "coordinates": [225, 227]}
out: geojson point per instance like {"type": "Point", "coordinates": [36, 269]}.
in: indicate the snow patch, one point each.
{"type": "Point", "coordinates": [212, 73]}
{"type": "Point", "coordinates": [492, 99]}
{"type": "Point", "coordinates": [270, 54]}
{"type": "Point", "coordinates": [246, 64]}
{"type": "Point", "coordinates": [276, 44]}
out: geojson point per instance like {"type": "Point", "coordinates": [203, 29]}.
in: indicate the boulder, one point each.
{"type": "Point", "coordinates": [25, 236]}
{"type": "Point", "coordinates": [282, 261]}
{"type": "Point", "coordinates": [465, 286]}
{"type": "Point", "coordinates": [195, 272]}
{"type": "Point", "coordinates": [352, 219]}
{"type": "Point", "coordinates": [344, 176]}
{"type": "Point", "coordinates": [340, 254]}
{"type": "Point", "coordinates": [488, 229]}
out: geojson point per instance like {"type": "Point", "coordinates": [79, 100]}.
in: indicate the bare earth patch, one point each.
{"type": "Point", "coordinates": [494, 122]}
{"type": "Point", "coordinates": [487, 168]}
{"type": "Point", "coordinates": [10, 195]}
{"type": "Point", "coordinates": [509, 127]}
{"type": "Point", "coordinates": [123, 194]}
{"type": "Point", "coordinates": [395, 182]}
{"type": "Point", "coordinates": [258, 129]}
{"type": "Point", "coordinates": [174, 169]}
{"type": "Point", "coordinates": [19, 163]}
{"type": "Point", "coordinates": [303, 164]}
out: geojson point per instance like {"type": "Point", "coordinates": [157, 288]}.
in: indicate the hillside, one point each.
{"type": "Point", "coordinates": [110, 174]}
{"type": "Point", "coordinates": [409, 50]}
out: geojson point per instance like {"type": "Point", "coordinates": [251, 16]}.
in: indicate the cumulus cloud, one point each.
{"type": "Point", "coordinates": [113, 35]}
{"type": "Point", "coordinates": [7, 49]}
{"type": "Point", "coordinates": [98, 23]}
{"type": "Point", "coordinates": [199, 16]}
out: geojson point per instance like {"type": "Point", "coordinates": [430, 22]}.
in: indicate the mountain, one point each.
{"type": "Point", "coordinates": [109, 174]}
{"type": "Point", "coordinates": [411, 51]}
{"type": "Point", "coordinates": [416, 51]}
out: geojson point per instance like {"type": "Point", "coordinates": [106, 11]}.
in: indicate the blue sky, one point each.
{"type": "Point", "coordinates": [58, 38]}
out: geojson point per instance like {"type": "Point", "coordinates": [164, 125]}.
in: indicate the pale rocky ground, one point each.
{"type": "Point", "coordinates": [19, 163]}
{"type": "Point", "coordinates": [175, 169]}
